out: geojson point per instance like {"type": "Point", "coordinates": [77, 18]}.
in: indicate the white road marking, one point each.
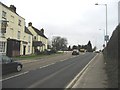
{"type": "Point", "coordinates": [46, 65]}
{"type": "Point", "coordinates": [55, 62]}
{"type": "Point", "coordinates": [35, 69]}
{"type": "Point", "coordinates": [14, 76]}
{"type": "Point", "coordinates": [70, 85]}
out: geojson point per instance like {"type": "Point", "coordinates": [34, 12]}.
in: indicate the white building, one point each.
{"type": "Point", "coordinates": [15, 40]}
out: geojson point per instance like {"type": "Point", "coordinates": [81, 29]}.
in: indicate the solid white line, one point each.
{"type": "Point", "coordinates": [15, 76]}
{"type": "Point", "coordinates": [79, 74]}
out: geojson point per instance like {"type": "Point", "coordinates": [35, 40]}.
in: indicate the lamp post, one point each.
{"type": "Point", "coordinates": [106, 36]}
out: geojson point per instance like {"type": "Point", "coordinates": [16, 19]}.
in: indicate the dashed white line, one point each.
{"type": "Point", "coordinates": [14, 76]}
{"type": "Point", "coordinates": [46, 65]}
{"type": "Point", "coordinates": [28, 71]}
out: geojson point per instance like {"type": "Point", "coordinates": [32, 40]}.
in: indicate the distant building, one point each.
{"type": "Point", "coordinates": [15, 38]}
{"type": "Point", "coordinates": [27, 49]}
{"type": "Point", "coordinates": [119, 12]}
{"type": "Point", "coordinates": [40, 41]}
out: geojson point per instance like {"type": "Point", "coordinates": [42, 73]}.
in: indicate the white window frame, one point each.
{"type": "Point", "coordinates": [2, 47]}
{"type": "Point", "coordinates": [12, 19]}
{"type": "Point", "coordinates": [4, 14]}
{"type": "Point", "coordinates": [18, 34]}
{"type": "Point", "coordinates": [19, 22]}
{"type": "Point", "coordinates": [29, 39]}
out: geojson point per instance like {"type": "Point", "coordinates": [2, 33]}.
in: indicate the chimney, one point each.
{"type": "Point", "coordinates": [30, 24]}
{"type": "Point", "coordinates": [13, 8]}
{"type": "Point", "coordinates": [42, 31]}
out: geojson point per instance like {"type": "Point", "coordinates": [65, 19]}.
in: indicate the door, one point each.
{"type": "Point", "coordinates": [24, 50]}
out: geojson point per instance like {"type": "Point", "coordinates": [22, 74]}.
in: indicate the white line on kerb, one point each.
{"type": "Point", "coordinates": [14, 76]}
{"type": "Point", "coordinates": [78, 75]}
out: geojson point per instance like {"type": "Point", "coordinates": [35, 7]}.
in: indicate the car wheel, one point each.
{"type": "Point", "coordinates": [19, 68]}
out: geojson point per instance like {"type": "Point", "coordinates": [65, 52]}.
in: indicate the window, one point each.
{"type": "Point", "coordinates": [19, 22]}
{"type": "Point", "coordinates": [6, 59]}
{"type": "Point", "coordinates": [3, 26]}
{"type": "Point", "coordinates": [29, 39]}
{"type": "Point", "coordinates": [12, 19]}
{"type": "Point", "coordinates": [18, 34]}
{"type": "Point", "coordinates": [35, 38]}
{"type": "Point", "coordinates": [3, 14]}
{"type": "Point", "coordinates": [2, 46]}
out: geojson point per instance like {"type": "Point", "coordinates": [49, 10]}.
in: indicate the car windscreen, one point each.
{"type": "Point", "coordinates": [5, 59]}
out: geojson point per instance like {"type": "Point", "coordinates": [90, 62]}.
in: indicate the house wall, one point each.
{"type": "Point", "coordinates": [15, 29]}
{"type": "Point", "coordinates": [38, 38]}
{"type": "Point", "coordinates": [27, 42]}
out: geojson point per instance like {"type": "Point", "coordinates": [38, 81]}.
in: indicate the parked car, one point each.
{"type": "Point", "coordinates": [9, 65]}
{"type": "Point", "coordinates": [97, 51]}
{"type": "Point", "coordinates": [75, 52]}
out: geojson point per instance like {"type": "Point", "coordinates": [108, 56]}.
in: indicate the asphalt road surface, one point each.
{"type": "Point", "coordinates": [54, 75]}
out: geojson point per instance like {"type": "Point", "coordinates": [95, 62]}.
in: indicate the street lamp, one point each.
{"type": "Point", "coordinates": [106, 36]}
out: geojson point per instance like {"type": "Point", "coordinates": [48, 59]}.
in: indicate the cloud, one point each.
{"type": "Point", "coordinates": [77, 20]}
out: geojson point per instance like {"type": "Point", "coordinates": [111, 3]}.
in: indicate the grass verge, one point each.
{"type": "Point", "coordinates": [34, 56]}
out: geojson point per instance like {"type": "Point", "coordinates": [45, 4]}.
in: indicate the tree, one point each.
{"type": "Point", "coordinates": [69, 48]}
{"type": "Point", "coordinates": [94, 49]}
{"type": "Point", "coordinates": [49, 44]}
{"type": "Point", "coordinates": [89, 47]}
{"type": "Point", "coordinates": [59, 43]}
{"type": "Point", "coordinates": [79, 46]}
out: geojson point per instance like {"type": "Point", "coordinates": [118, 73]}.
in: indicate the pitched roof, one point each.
{"type": "Point", "coordinates": [39, 32]}
{"type": "Point", "coordinates": [27, 31]}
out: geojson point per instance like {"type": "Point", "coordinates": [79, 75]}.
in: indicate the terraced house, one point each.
{"type": "Point", "coordinates": [15, 38]}
{"type": "Point", "coordinates": [39, 39]}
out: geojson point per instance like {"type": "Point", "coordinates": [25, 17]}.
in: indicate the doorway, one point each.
{"type": "Point", "coordinates": [24, 50]}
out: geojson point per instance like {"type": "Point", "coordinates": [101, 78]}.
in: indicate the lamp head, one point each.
{"type": "Point", "coordinates": [96, 4]}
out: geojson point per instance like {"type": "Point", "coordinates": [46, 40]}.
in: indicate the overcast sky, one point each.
{"type": "Point", "coordinates": [77, 20]}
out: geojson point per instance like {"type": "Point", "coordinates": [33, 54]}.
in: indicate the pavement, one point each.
{"type": "Point", "coordinates": [94, 76]}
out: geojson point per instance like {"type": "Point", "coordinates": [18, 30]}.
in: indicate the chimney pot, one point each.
{"type": "Point", "coordinates": [13, 8]}
{"type": "Point", "coordinates": [30, 24]}
{"type": "Point", "coordinates": [42, 30]}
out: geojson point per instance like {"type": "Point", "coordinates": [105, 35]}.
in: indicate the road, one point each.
{"type": "Point", "coordinates": [53, 75]}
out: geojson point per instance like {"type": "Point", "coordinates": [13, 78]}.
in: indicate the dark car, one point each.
{"type": "Point", "coordinates": [9, 65]}
{"type": "Point", "coordinates": [75, 52]}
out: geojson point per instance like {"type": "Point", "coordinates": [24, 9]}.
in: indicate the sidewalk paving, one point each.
{"type": "Point", "coordinates": [94, 76]}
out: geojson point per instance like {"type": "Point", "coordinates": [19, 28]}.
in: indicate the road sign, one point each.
{"type": "Point", "coordinates": [106, 37]}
